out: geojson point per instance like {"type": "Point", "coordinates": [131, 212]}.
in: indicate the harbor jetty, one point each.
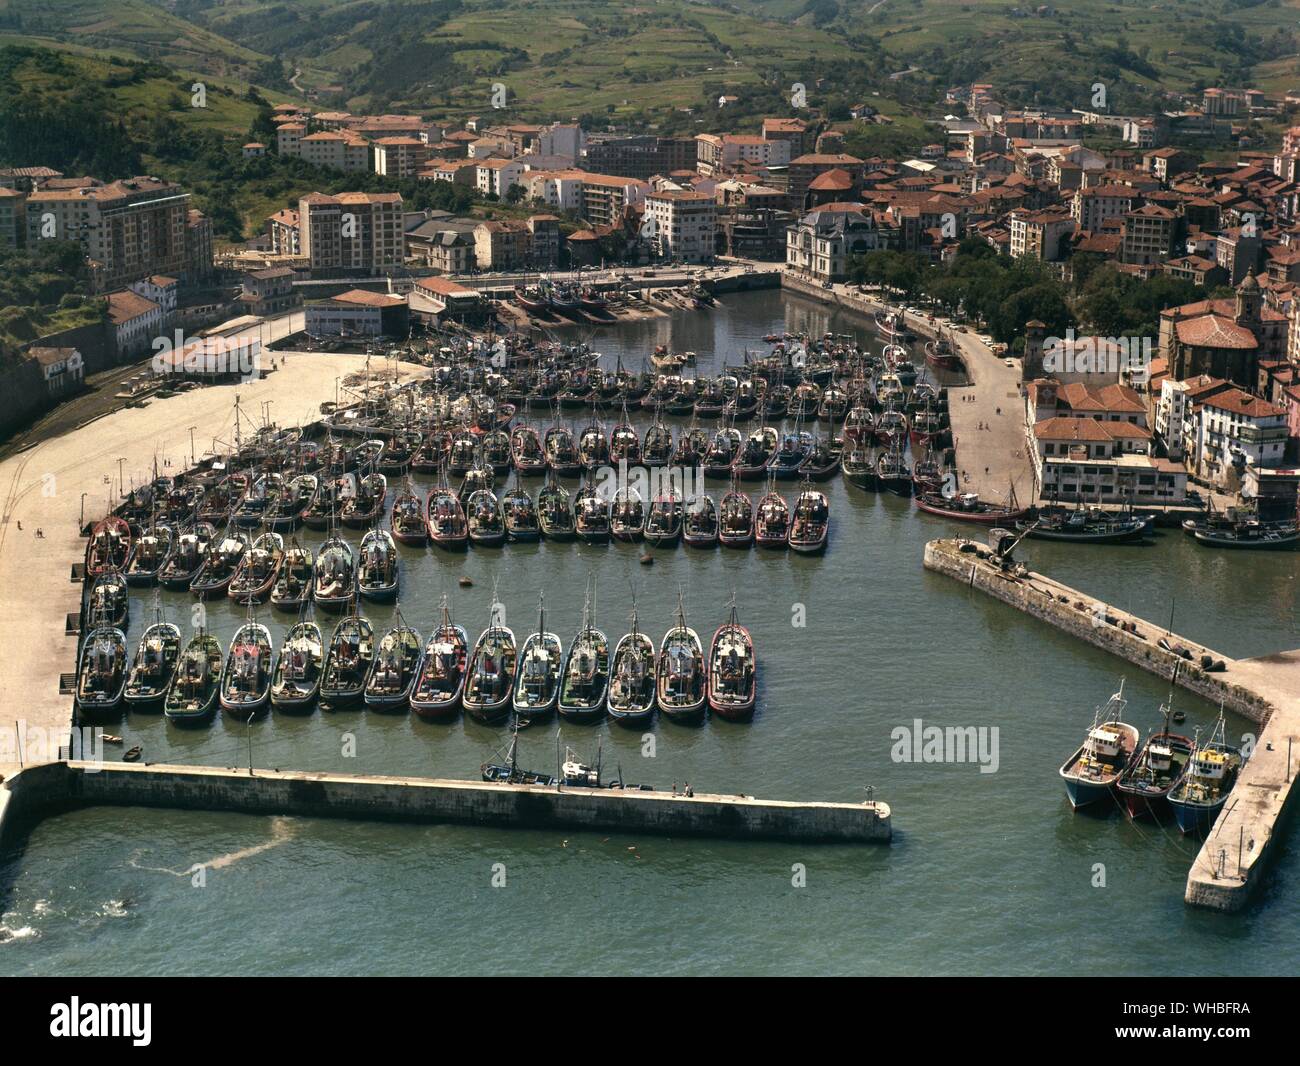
{"type": "Point", "coordinates": [51, 787]}
{"type": "Point", "coordinates": [1265, 690]}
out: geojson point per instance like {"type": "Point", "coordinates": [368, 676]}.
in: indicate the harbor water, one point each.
{"type": "Point", "coordinates": [989, 871]}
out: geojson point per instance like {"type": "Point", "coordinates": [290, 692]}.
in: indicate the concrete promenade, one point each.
{"type": "Point", "coordinates": [49, 486]}
{"type": "Point", "coordinates": [1266, 690]}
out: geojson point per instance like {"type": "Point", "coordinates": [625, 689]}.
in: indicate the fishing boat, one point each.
{"type": "Point", "coordinates": [624, 445]}
{"type": "Point", "coordinates": [464, 453]}
{"type": "Point", "coordinates": [379, 573]}
{"type": "Point", "coordinates": [631, 699]}
{"type": "Point", "coordinates": [246, 680]}
{"type": "Point", "coordinates": [941, 354]}
{"type": "Point", "coordinates": [776, 405]}
{"type": "Point", "coordinates": [407, 518]}
{"type": "Point", "coordinates": [334, 579]}
{"type": "Point", "coordinates": [394, 670]}
{"type": "Point", "coordinates": [496, 452]}
{"type": "Point", "coordinates": [509, 771]}
{"type": "Point", "coordinates": [1091, 772]}
{"type": "Point", "coordinates": [153, 550]}
{"type": "Point", "coordinates": [182, 566]}
{"type": "Point", "coordinates": [627, 515]}
{"type": "Point", "coordinates": [555, 511]}
{"type": "Point", "coordinates": [772, 523]}
{"type": "Point", "coordinates": [1199, 796]}
{"type": "Point", "coordinates": [968, 507]}
{"type": "Point", "coordinates": [537, 686]}
{"type": "Point", "coordinates": [486, 524]}
{"type": "Point", "coordinates": [928, 475]}
{"type": "Point", "coordinates": [154, 666]}
{"type": "Point", "coordinates": [733, 671]}
{"type": "Point", "coordinates": [192, 697]}
{"type": "Point", "coordinates": [109, 546]}
{"type": "Point", "coordinates": [681, 677]}
{"type": "Point", "coordinates": [892, 428]}
{"type": "Point", "coordinates": [519, 514]}
{"type": "Point", "coordinates": [365, 507]}
{"type": "Point", "coordinates": [657, 448]}
{"type": "Point", "coordinates": [490, 679]}
{"type": "Point", "coordinates": [1146, 782]}
{"type": "Point", "coordinates": [293, 586]}
{"type": "Point", "coordinates": [324, 508]}
{"type": "Point", "coordinates": [109, 602]}
{"type": "Point", "coordinates": [892, 472]}
{"type": "Point", "coordinates": [1085, 525]}
{"type": "Point", "coordinates": [663, 522]}
{"type": "Point", "coordinates": [585, 677]}
{"type": "Point", "coordinates": [101, 673]}
{"type": "Point", "coordinates": [756, 453]}
{"type": "Point", "coordinates": [440, 681]}
{"type": "Point", "coordinates": [263, 496]}
{"type": "Point", "coordinates": [1246, 533]}
{"type": "Point", "coordinates": [700, 523]}
{"type": "Point", "coordinates": [561, 452]}
{"type": "Point", "coordinates": [526, 451]}
{"type": "Point", "coordinates": [220, 563]}
{"type": "Point", "coordinates": [810, 522]}
{"type": "Point", "coordinates": [860, 466]}
{"type": "Point", "coordinates": [591, 515]}
{"type": "Point", "coordinates": [721, 453]}
{"type": "Point", "coordinates": [446, 519]}
{"type": "Point", "coordinates": [593, 448]}
{"type": "Point", "coordinates": [256, 574]}
{"type": "Point", "coordinates": [347, 663]}
{"type": "Point", "coordinates": [736, 519]}
{"type": "Point", "coordinates": [285, 514]}
{"type": "Point", "coordinates": [295, 681]}
{"type": "Point", "coordinates": [824, 458]}
{"type": "Point", "coordinates": [786, 462]}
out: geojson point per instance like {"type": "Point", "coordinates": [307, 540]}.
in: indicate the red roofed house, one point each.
{"type": "Point", "coordinates": [1233, 430]}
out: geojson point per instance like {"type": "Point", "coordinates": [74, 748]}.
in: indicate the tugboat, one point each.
{"type": "Point", "coordinates": [258, 569]}
{"type": "Point", "coordinates": [246, 680]}
{"type": "Point", "coordinates": [1091, 772]}
{"type": "Point", "coordinates": [1146, 782]}
{"type": "Point", "coordinates": [440, 682]}
{"type": "Point", "coordinates": [192, 697]}
{"type": "Point", "coordinates": [334, 578]}
{"type": "Point", "coordinates": [378, 575]}
{"type": "Point", "coordinates": [487, 528]}
{"type": "Point", "coordinates": [772, 526]}
{"type": "Point", "coordinates": [293, 586]}
{"type": "Point", "coordinates": [1198, 798]}
{"type": "Point", "coordinates": [810, 523]}
{"type": "Point", "coordinates": [347, 663]}
{"type": "Point", "coordinates": [393, 673]}
{"type": "Point", "coordinates": [491, 675]}
{"type": "Point", "coordinates": [631, 700]}
{"type": "Point", "coordinates": [555, 511]}
{"type": "Point", "coordinates": [733, 671]}
{"type": "Point", "coordinates": [537, 686]}
{"type": "Point", "coordinates": [295, 682]}
{"type": "Point", "coordinates": [154, 666]}
{"type": "Point", "coordinates": [736, 519]}
{"type": "Point", "coordinates": [101, 675]}
{"type": "Point", "coordinates": [700, 525]}
{"type": "Point", "coordinates": [519, 514]}
{"type": "Point", "coordinates": [585, 677]}
{"type": "Point", "coordinates": [109, 547]}
{"type": "Point", "coordinates": [681, 681]}
{"type": "Point", "coordinates": [627, 515]}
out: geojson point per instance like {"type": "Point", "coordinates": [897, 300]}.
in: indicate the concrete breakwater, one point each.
{"type": "Point", "coordinates": [51, 787]}
{"type": "Point", "coordinates": [1266, 690]}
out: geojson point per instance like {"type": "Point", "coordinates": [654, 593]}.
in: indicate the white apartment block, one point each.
{"type": "Point", "coordinates": [685, 224]}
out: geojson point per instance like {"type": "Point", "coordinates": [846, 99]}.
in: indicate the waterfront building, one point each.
{"type": "Point", "coordinates": [358, 312]}
{"type": "Point", "coordinates": [685, 224]}
{"type": "Point", "coordinates": [822, 241]}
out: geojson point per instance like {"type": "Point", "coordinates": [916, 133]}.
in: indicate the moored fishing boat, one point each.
{"type": "Point", "coordinates": [810, 521]}
{"type": "Point", "coordinates": [526, 451]}
{"type": "Point", "coordinates": [153, 550]}
{"type": "Point", "coordinates": [101, 673]}
{"type": "Point", "coordinates": [627, 515]}
{"type": "Point", "coordinates": [223, 557]}
{"type": "Point", "coordinates": [1091, 772]}
{"type": "Point", "coordinates": [347, 663]}
{"type": "Point", "coordinates": [379, 572]}
{"type": "Point", "coordinates": [657, 447]}
{"type": "Point", "coordinates": [663, 522]}
{"type": "Point", "coordinates": [1199, 796]}
{"type": "Point", "coordinates": [287, 511]}
{"type": "Point", "coordinates": [485, 522]}
{"type": "Point", "coordinates": [700, 522]}
{"type": "Point", "coordinates": [194, 691]}
{"type": "Point", "coordinates": [561, 452]}
{"type": "Point", "coordinates": [519, 513]}
{"type": "Point", "coordinates": [334, 578]}
{"type": "Point", "coordinates": [555, 511]}
{"type": "Point", "coordinates": [680, 673]}
{"type": "Point", "coordinates": [440, 681]}
{"type": "Point", "coordinates": [733, 671]}
{"type": "Point", "coordinates": [154, 666]}
{"type": "Point", "coordinates": [537, 686]}
{"type": "Point", "coordinates": [736, 519]}
{"type": "Point", "coordinates": [293, 586]}
{"type": "Point", "coordinates": [366, 505]}
{"type": "Point", "coordinates": [585, 676]}
{"type": "Point", "coordinates": [772, 522]}
{"type": "Point", "coordinates": [755, 454]}
{"type": "Point", "coordinates": [109, 546]}
{"type": "Point", "coordinates": [892, 472]}
{"type": "Point", "coordinates": [496, 452]}
{"type": "Point", "coordinates": [624, 445]}
{"type": "Point", "coordinates": [256, 574]}
{"type": "Point", "coordinates": [968, 507]}
{"type": "Point", "coordinates": [1084, 525]}
{"type": "Point", "coordinates": [295, 681]}
{"type": "Point", "coordinates": [446, 519]}
{"type": "Point", "coordinates": [191, 550]}
{"type": "Point", "coordinates": [721, 453]}
{"type": "Point", "coordinates": [591, 515]}
{"type": "Point", "coordinates": [789, 457]}
{"type": "Point", "coordinates": [593, 448]}
{"type": "Point", "coordinates": [1146, 782]}
{"type": "Point", "coordinates": [407, 518]}
{"type": "Point", "coordinates": [246, 679]}
{"type": "Point", "coordinates": [394, 670]}
{"type": "Point", "coordinates": [860, 466]}
{"type": "Point", "coordinates": [490, 679]}
{"type": "Point", "coordinates": [631, 697]}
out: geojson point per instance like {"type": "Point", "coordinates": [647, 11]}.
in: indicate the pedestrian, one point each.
{"type": "Point", "coordinates": [986, 470]}
{"type": "Point", "coordinates": [20, 525]}
{"type": "Point", "coordinates": [674, 788]}
{"type": "Point", "coordinates": [40, 533]}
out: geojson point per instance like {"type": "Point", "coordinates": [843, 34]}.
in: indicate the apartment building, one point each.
{"type": "Point", "coordinates": [351, 233]}
{"type": "Point", "coordinates": [1039, 234]}
{"type": "Point", "coordinates": [1148, 235]}
{"type": "Point", "coordinates": [400, 157]}
{"type": "Point", "coordinates": [605, 197]}
{"type": "Point", "coordinates": [12, 222]}
{"type": "Point", "coordinates": [128, 229]}
{"type": "Point", "coordinates": [495, 177]}
{"type": "Point", "coordinates": [1232, 430]}
{"type": "Point", "coordinates": [1093, 206]}
{"type": "Point", "coordinates": [685, 224]}
{"type": "Point", "coordinates": [639, 157]}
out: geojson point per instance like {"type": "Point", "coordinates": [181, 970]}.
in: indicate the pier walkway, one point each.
{"type": "Point", "coordinates": [1266, 690]}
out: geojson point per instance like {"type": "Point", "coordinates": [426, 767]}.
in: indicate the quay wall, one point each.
{"type": "Point", "coordinates": [54, 786]}
{"type": "Point", "coordinates": [1097, 624]}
